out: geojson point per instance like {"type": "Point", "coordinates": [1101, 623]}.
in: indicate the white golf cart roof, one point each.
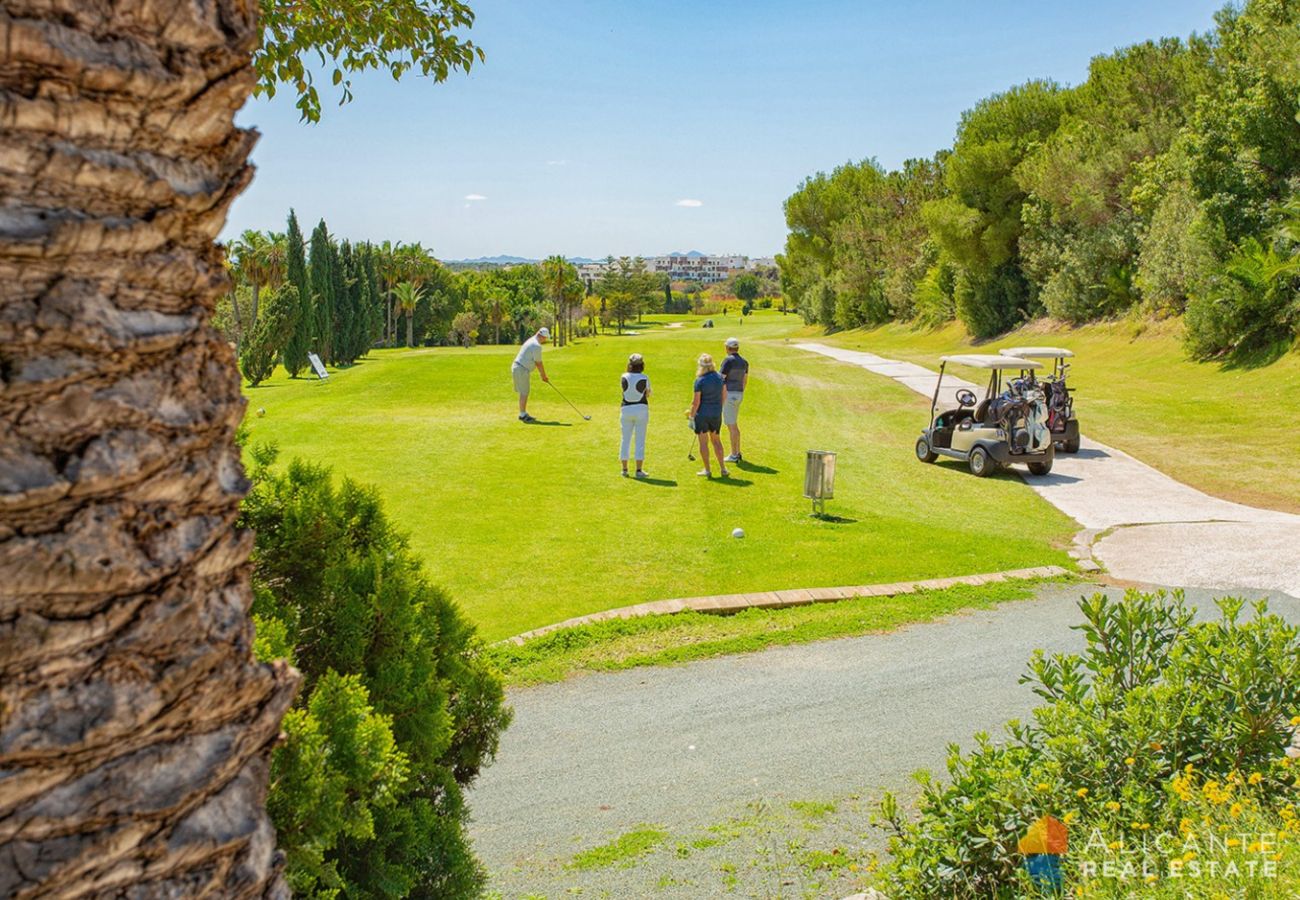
{"type": "Point", "coordinates": [990, 361]}
{"type": "Point", "coordinates": [1038, 352]}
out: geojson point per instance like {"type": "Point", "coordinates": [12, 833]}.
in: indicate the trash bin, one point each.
{"type": "Point", "coordinates": [819, 479]}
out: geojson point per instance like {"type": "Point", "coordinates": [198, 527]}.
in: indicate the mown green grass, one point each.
{"type": "Point", "coordinates": [1229, 431]}
{"type": "Point", "coordinates": [528, 525]}
{"type": "Point", "coordinates": [665, 640]}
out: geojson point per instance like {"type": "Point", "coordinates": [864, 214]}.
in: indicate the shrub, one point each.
{"type": "Point", "coordinates": [1251, 304]}
{"type": "Point", "coordinates": [1152, 694]}
{"type": "Point", "coordinates": [398, 709]}
{"type": "Point", "coordinates": [278, 319]}
{"type": "Point", "coordinates": [1177, 252]}
{"type": "Point", "coordinates": [992, 304]}
{"type": "Point", "coordinates": [935, 304]}
{"type": "Point", "coordinates": [464, 329]}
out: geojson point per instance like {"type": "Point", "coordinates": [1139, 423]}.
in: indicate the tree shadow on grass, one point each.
{"type": "Point", "coordinates": [1258, 354]}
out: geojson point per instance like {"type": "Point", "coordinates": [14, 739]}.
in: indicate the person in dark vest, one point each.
{"type": "Point", "coordinates": [635, 413]}
{"type": "Point", "coordinates": [735, 372]}
{"type": "Point", "coordinates": [706, 412]}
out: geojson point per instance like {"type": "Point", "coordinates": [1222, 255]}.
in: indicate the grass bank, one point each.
{"type": "Point", "coordinates": [683, 637]}
{"type": "Point", "coordinates": [1224, 430]}
{"type": "Point", "coordinates": [528, 525]}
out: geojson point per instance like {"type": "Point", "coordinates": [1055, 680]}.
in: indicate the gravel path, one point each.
{"type": "Point", "coordinates": [1145, 525]}
{"type": "Point", "coordinates": [690, 747]}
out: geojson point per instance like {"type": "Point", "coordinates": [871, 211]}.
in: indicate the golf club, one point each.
{"type": "Point", "coordinates": [690, 454]}
{"type": "Point", "coordinates": [586, 418]}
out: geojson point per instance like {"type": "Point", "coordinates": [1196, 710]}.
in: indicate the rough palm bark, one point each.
{"type": "Point", "coordinates": [134, 726]}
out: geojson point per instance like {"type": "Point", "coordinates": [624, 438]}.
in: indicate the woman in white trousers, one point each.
{"type": "Point", "coordinates": [635, 413]}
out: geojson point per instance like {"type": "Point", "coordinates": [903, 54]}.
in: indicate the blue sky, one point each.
{"type": "Point", "coordinates": [590, 121]}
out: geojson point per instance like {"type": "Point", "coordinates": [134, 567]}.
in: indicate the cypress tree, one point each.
{"type": "Point", "coordinates": [320, 272]}
{"type": "Point", "coordinates": [279, 317]}
{"type": "Point", "coordinates": [345, 306]}
{"type": "Point", "coordinates": [294, 355]}
{"type": "Point", "coordinates": [374, 299]}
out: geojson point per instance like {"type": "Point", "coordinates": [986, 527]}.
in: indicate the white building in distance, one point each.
{"type": "Point", "coordinates": [704, 269]}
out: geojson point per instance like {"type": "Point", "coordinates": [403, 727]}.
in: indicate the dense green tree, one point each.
{"type": "Point", "coordinates": [1243, 140]}
{"type": "Point", "coordinates": [263, 347]}
{"type": "Point", "coordinates": [1083, 232]}
{"type": "Point", "coordinates": [299, 343]}
{"type": "Point", "coordinates": [745, 286]}
{"type": "Point", "coordinates": [321, 266]}
{"type": "Point", "coordinates": [979, 223]}
{"type": "Point", "coordinates": [398, 710]}
{"type": "Point", "coordinates": [627, 287]}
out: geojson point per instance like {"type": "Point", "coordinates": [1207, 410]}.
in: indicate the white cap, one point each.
{"type": "Point", "coordinates": [732, 342]}
{"type": "Point", "coordinates": [544, 331]}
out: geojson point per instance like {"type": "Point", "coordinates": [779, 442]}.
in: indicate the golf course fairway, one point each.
{"type": "Point", "coordinates": [531, 524]}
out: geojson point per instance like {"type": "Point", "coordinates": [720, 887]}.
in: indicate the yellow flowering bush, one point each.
{"type": "Point", "coordinates": [1162, 727]}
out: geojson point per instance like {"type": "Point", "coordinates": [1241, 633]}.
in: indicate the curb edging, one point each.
{"type": "Point", "coordinates": [727, 604]}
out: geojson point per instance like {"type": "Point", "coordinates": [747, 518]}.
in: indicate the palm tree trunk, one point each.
{"type": "Point", "coordinates": [410, 315]}
{"type": "Point", "coordinates": [135, 727]}
{"type": "Point", "coordinates": [252, 322]}
{"type": "Point", "coordinates": [239, 320]}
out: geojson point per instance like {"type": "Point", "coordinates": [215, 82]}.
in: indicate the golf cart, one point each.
{"type": "Point", "coordinates": [1008, 427]}
{"type": "Point", "coordinates": [1060, 401]}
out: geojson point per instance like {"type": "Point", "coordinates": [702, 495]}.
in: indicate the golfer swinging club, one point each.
{"type": "Point", "coordinates": [530, 355]}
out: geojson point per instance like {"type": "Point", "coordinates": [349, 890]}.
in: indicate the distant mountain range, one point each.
{"type": "Point", "coordinates": [505, 260]}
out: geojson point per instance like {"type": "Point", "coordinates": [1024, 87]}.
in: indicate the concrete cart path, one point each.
{"type": "Point", "coordinates": [683, 748]}
{"type": "Point", "coordinates": [1148, 527]}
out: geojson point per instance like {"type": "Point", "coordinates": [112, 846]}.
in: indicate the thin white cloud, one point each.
{"type": "Point", "coordinates": [689, 202]}
{"type": "Point", "coordinates": [557, 162]}
{"type": "Point", "coordinates": [475, 197]}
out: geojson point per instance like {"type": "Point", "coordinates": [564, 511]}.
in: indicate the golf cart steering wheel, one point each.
{"type": "Point", "coordinates": [966, 397]}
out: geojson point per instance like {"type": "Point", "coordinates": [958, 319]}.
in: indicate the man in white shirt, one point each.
{"type": "Point", "coordinates": [521, 371]}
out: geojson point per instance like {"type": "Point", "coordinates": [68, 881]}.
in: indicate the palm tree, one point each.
{"type": "Point", "coordinates": [563, 289]}
{"type": "Point", "coordinates": [249, 252]}
{"type": "Point", "coordinates": [389, 265]}
{"type": "Point", "coordinates": [137, 726]}
{"type": "Point", "coordinates": [407, 296]}
{"type": "Point", "coordinates": [496, 315]}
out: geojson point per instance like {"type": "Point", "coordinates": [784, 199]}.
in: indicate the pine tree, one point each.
{"type": "Point", "coordinates": [320, 274]}
{"type": "Point", "coordinates": [295, 349]}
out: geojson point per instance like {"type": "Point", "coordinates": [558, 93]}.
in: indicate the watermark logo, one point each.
{"type": "Point", "coordinates": [1043, 845]}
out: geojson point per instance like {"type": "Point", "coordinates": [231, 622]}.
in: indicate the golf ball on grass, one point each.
{"type": "Point", "coordinates": [738, 532]}
{"type": "Point", "coordinates": [261, 411]}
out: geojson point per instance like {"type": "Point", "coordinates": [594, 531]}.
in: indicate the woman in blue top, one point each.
{"type": "Point", "coordinates": [706, 412]}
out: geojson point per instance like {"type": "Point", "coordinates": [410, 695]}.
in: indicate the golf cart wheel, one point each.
{"type": "Point", "coordinates": [923, 451]}
{"type": "Point", "coordinates": [981, 464]}
{"type": "Point", "coordinates": [1040, 468]}
{"type": "Point", "coordinates": [1071, 445]}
